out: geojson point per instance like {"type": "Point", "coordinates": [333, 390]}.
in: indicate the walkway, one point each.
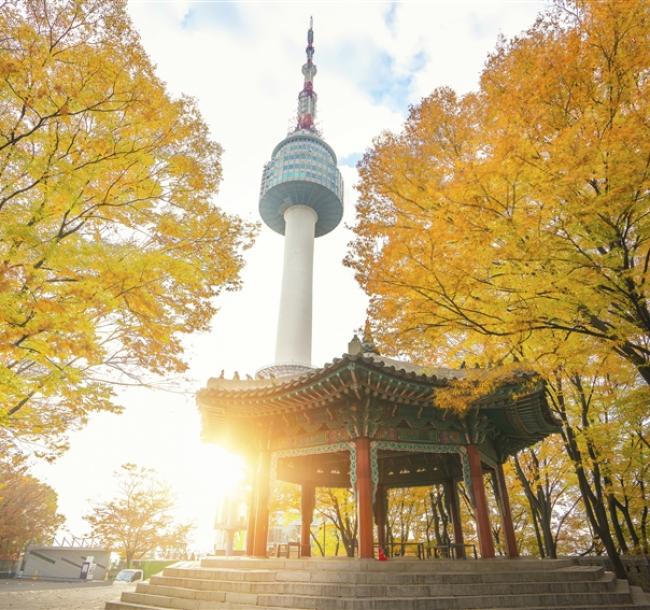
{"type": "Point", "coordinates": [46, 595]}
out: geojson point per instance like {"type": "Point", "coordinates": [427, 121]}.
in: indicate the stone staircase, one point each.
{"type": "Point", "coordinates": [399, 584]}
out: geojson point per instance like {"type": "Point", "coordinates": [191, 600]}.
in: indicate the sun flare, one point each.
{"type": "Point", "coordinates": [229, 469]}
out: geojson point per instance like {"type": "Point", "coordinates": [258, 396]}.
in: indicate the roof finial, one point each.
{"type": "Point", "coordinates": [307, 97]}
{"type": "Point", "coordinates": [368, 342]}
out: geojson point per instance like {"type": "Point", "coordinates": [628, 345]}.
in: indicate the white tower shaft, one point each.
{"type": "Point", "coordinates": [293, 346]}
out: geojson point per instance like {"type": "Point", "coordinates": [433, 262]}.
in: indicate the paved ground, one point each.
{"type": "Point", "coordinates": [43, 595]}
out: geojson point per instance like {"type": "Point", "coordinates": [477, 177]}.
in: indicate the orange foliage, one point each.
{"type": "Point", "coordinates": [522, 209]}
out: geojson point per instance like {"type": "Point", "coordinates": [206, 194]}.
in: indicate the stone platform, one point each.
{"type": "Point", "coordinates": [399, 584]}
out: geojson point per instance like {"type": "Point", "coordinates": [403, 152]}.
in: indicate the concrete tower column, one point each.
{"type": "Point", "coordinates": [293, 344]}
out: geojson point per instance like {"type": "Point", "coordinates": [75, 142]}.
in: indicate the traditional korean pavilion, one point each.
{"type": "Point", "coordinates": [370, 423]}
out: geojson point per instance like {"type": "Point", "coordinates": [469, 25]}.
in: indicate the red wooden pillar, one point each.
{"type": "Point", "coordinates": [364, 498]}
{"type": "Point", "coordinates": [380, 516]}
{"type": "Point", "coordinates": [506, 513]}
{"type": "Point", "coordinates": [307, 503]}
{"type": "Point", "coordinates": [480, 503]}
{"type": "Point", "coordinates": [451, 493]}
{"type": "Point", "coordinates": [250, 530]}
{"type": "Point", "coordinates": [262, 504]}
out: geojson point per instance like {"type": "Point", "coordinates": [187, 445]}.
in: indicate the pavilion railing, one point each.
{"type": "Point", "coordinates": [421, 550]}
{"type": "Point", "coordinates": [425, 550]}
{"type": "Point", "coordinates": [289, 550]}
{"type": "Point", "coordinates": [450, 551]}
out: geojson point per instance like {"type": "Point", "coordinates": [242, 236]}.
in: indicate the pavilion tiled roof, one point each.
{"type": "Point", "coordinates": [311, 388]}
{"type": "Point", "coordinates": [517, 408]}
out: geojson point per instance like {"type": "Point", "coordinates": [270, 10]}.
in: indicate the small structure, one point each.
{"type": "Point", "coordinates": [371, 423]}
{"type": "Point", "coordinates": [230, 520]}
{"type": "Point", "coordinates": [83, 560]}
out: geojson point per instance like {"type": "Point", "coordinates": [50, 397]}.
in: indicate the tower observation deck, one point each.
{"type": "Point", "coordinates": [301, 197]}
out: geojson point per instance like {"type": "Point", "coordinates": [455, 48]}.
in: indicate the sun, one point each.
{"type": "Point", "coordinates": [229, 469]}
{"type": "Point", "coordinates": [202, 478]}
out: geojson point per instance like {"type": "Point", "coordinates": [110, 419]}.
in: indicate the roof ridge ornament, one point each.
{"type": "Point", "coordinates": [354, 346]}
{"type": "Point", "coordinates": [368, 343]}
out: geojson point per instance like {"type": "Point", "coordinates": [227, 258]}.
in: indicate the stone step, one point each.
{"type": "Point", "coordinates": [515, 585]}
{"type": "Point", "coordinates": [120, 605]}
{"type": "Point", "coordinates": [124, 605]}
{"type": "Point", "coordinates": [462, 600]}
{"type": "Point", "coordinates": [364, 565]}
{"type": "Point", "coordinates": [561, 575]}
{"type": "Point", "coordinates": [221, 574]}
{"type": "Point", "coordinates": [635, 605]}
{"type": "Point", "coordinates": [511, 574]}
{"type": "Point", "coordinates": [133, 601]}
{"type": "Point", "coordinates": [190, 599]}
{"type": "Point", "coordinates": [602, 601]}
{"type": "Point", "coordinates": [165, 585]}
{"type": "Point", "coordinates": [232, 606]}
{"type": "Point", "coordinates": [165, 601]}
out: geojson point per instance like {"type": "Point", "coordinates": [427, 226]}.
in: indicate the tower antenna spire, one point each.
{"type": "Point", "coordinates": [307, 97]}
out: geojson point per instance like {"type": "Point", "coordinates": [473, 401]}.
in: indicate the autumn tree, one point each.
{"type": "Point", "coordinates": [523, 207]}
{"type": "Point", "coordinates": [111, 248]}
{"type": "Point", "coordinates": [415, 514]}
{"type": "Point", "coordinates": [600, 427]}
{"type": "Point", "coordinates": [334, 507]}
{"type": "Point", "coordinates": [602, 409]}
{"type": "Point", "coordinates": [139, 519]}
{"type": "Point", "coordinates": [545, 475]}
{"type": "Point", "coordinates": [339, 508]}
{"type": "Point", "coordinates": [27, 509]}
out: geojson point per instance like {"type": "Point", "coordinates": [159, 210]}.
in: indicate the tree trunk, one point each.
{"type": "Point", "coordinates": [444, 516]}
{"type": "Point", "coordinates": [616, 524]}
{"type": "Point", "coordinates": [321, 548]}
{"type": "Point", "coordinates": [533, 505]}
{"type": "Point", "coordinates": [624, 508]}
{"type": "Point", "coordinates": [594, 506]}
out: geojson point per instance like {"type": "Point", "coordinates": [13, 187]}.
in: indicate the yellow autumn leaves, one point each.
{"type": "Point", "coordinates": [110, 245]}
{"type": "Point", "coordinates": [520, 210]}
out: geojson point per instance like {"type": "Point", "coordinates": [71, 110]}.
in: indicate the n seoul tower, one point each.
{"type": "Point", "coordinates": [301, 197]}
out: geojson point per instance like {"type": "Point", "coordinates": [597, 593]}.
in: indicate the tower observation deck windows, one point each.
{"type": "Point", "coordinates": [303, 158]}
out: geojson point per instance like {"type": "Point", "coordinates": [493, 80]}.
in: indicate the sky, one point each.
{"type": "Point", "coordinates": [242, 61]}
